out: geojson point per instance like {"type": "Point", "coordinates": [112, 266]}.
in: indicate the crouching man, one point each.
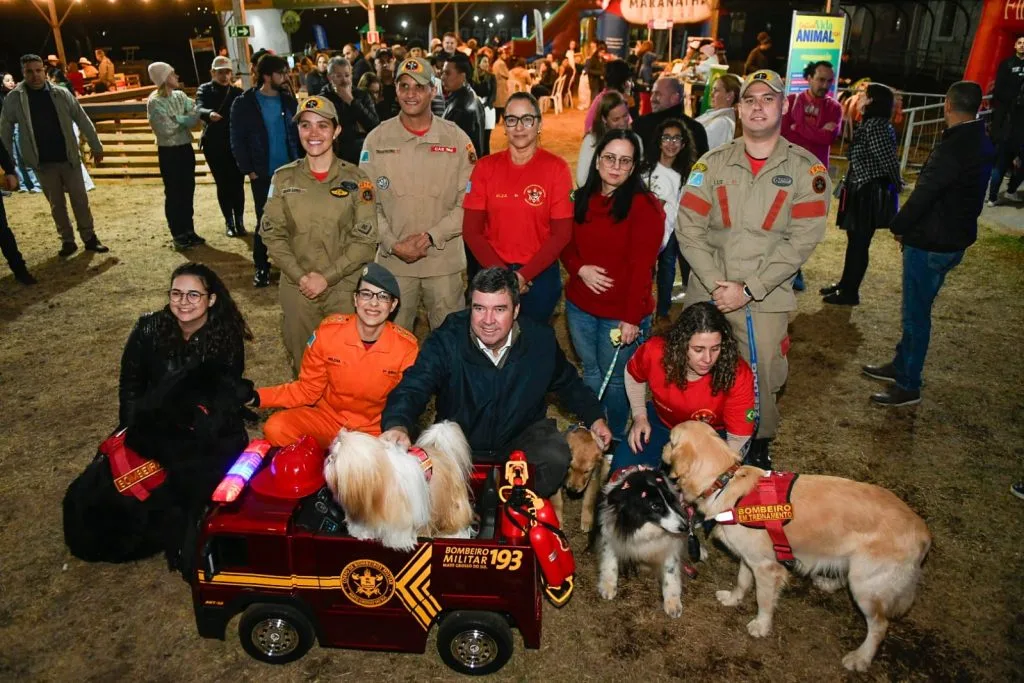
{"type": "Point", "coordinates": [490, 373]}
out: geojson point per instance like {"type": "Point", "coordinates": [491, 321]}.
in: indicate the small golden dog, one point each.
{"type": "Point", "coordinates": [843, 532]}
{"type": "Point", "coordinates": [588, 471]}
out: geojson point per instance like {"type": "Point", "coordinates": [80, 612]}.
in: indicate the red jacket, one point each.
{"type": "Point", "coordinates": [803, 123]}
{"type": "Point", "coordinates": [627, 251]}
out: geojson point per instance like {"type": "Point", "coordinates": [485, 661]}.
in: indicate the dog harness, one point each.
{"type": "Point", "coordinates": [133, 476]}
{"type": "Point", "coordinates": [425, 462]}
{"type": "Point", "coordinates": [767, 507]}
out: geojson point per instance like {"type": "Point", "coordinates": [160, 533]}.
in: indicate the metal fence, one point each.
{"type": "Point", "coordinates": [922, 129]}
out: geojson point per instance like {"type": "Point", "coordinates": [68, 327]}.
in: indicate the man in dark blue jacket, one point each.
{"type": "Point", "coordinates": [491, 373]}
{"type": "Point", "coordinates": [936, 224]}
{"type": "Point", "coordinates": [264, 138]}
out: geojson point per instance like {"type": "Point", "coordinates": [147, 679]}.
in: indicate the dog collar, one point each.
{"type": "Point", "coordinates": [425, 463]}
{"type": "Point", "coordinates": [623, 472]}
{"type": "Point", "coordinates": [719, 483]}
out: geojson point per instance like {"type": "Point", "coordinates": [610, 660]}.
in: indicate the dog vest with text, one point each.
{"type": "Point", "coordinates": [133, 475]}
{"type": "Point", "coordinates": [767, 507]}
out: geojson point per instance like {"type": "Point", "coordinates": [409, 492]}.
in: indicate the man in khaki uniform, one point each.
{"type": "Point", "coordinates": [320, 227]}
{"type": "Point", "coordinates": [420, 165]}
{"type": "Point", "coordinates": [751, 213]}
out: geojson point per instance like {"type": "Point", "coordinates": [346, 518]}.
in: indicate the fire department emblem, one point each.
{"type": "Point", "coordinates": [534, 195]}
{"type": "Point", "coordinates": [367, 583]}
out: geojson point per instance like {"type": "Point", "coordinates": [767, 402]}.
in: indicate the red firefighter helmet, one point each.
{"type": "Point", "coordinates": [296, 471]}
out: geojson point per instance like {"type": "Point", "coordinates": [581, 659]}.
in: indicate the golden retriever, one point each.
{"type": "Point", "coordinates": [588, 470]}
{"type": "Point", "coordinates": [843, 533]}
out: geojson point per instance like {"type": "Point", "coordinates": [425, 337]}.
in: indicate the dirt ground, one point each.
{"type": "Point", "coordinates": [952, 458]}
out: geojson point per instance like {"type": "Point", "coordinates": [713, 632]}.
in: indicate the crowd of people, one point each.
{"type": "Point", "coordinates": [372, 203]}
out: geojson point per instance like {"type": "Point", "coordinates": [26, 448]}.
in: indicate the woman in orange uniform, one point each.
{"type": "Point", "coordinates": [351, 364]}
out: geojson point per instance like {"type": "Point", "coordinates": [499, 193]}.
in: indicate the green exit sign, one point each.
{"type": "Point", "coordinates": [239, 31]}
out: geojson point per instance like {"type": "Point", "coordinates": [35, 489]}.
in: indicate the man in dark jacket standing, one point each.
{"type": "Point", "coordinates": [356, 59]}
{"type": "Point", "coordinates": [461, 105]}
{"type": "Point", "coordinates": [356, 111]}
{"type": "Point", "coordinates": [263, 139]}
{"type": "Point", "coordinates": [491, 373]}
{"type": "Point", "coordinates": [1008, 121]}
{"type": "Point", "coordinates": [936, 224]}
{"type": "Point", "coordinates": [216, 97]}
{"type": "Point", "coordinates": [667, 103]}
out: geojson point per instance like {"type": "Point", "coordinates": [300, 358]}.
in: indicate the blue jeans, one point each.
{"type": "Point", "coordinates": [651, 453]}
{"type": "Point", "coordinates": [590, 338]}
{"type": "Point", "coordinates": [923, 275]}
{"type": "Point", "coordinates": [539, 302]}
{"type": "Point", "coordinates": [1006, 152]}
{"type": "Point", "coordinates": [667, 274]}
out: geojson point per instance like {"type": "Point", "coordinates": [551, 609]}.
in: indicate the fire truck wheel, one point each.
{"type": "Point", "coordinates": [475, 643]}
{"type": "Point", "coordinates": [276, 634]}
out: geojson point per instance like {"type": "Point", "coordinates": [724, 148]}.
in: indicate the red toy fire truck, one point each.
{"type": "Point", "coordinates": [276, 550]}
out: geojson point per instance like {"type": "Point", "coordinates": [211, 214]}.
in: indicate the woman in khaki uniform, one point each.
{"type": "Point", "coordinates": [320, 227]}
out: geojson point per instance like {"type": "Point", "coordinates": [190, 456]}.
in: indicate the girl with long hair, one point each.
{"type": "Point", "coordinates": [617, 231]}
{"type": "Point", "coordinates": [663, 174]}
{"type": "Point", "coordinates": [199, 323]}
{"type": "Point", "coordinates": [870, 191]}
{"type": "Point", "coordinates": [612, 114]}
{"type": "Point", "coordinates": [694, 372]}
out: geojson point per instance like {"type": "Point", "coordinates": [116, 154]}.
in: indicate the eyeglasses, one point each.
{"type": "Point", "coordinates": [192, 296]}
{"type": "Point", "coordinates": [614, 161]}
{"type": "Point", "coordinates": [528, 121]}
{"type": "Point", "coordinates": [366, 296]}
{"type": "Point", "coordinates": [672, 139]}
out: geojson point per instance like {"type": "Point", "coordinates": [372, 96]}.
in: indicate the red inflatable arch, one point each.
{"type": "Point", "coordinates": [1001, 22]}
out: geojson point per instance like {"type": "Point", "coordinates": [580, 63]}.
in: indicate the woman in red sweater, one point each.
{"type": "Point", "coordinates": [617, 231]}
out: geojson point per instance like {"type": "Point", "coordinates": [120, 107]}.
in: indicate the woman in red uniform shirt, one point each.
{"type": "Point", "coordinates": [517, 212]}
{"type": "Point", "coordinates": [617, 230]}
{"type": "Point", "coordinates": [695, 372]}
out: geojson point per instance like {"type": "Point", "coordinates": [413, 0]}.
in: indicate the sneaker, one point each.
{"type": "Point", "coordinates": [23, 276]}
{"type": "Point", "coordinates": [991, 202]}
{"type": "Point", "coordinates": [94, 245]}
{"type": "Point", "coordinates": [67, 249]}
{"type": "Point", "coordinates": [183, 243]}
{"type": "Point", "coordinates": [841, 299]}
{"type": "Point", "coordinates": [194, 239]}
{"type": "Point", "coordinates": [885, 373]}
{"type": "Point", "coordinates": [229, 229]}
{"type": "Point", "coordinates": [261, 278]}
{"type": "Point", "coordinates": [831, 289]}
{"type": "Point", "coordinates": [895, 396]}
{"type": "Point", "coordinates": [1018, 489]}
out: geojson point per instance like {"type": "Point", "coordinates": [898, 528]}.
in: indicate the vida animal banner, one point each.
{"type": "Point", "coordinates": [814, 38]}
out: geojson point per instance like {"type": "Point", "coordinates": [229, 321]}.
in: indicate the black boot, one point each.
{"type": "Point", "coordinates": [239, 226]}
{"type": "Point", "coordinates": [758, 455]}
{"type": "Point", "coordinates": [229, 227]}
{"type": "Point", "coordinates": [22, 275]}
{"type": "Point", "coordinates": [262, 277]}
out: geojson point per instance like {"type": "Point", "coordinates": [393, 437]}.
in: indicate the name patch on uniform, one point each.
{"type": "Point", "coordinates": [696, 178]}
{"type": "Point", "coordinates": [818, 184]}
{"type": "Point", "coordinates": [292, 190]}
{"type": "Point", "coordinates": [387, 150]}
{"type": "Point", "coordinates": [364, 156]}
{"type": "Point", "coordinates": [443, 148]}
{"type": "Point", "coordinates": [349, 185]}
{"type": "Point", "coordinates": [366, 188]}
{"type": "Point", "coordinates": [818, 168]}
{"type": "Point", "coordinates": [782, 180]}
{"type": "Point", "coordinates": [383, 182]}
{"type": "Point", "coordinates": [700, 166]}
{"type": "Point", "coordinates": [339, 192]}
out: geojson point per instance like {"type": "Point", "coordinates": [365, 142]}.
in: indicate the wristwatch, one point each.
{"type": "Point", "coordinates": [746, 290]}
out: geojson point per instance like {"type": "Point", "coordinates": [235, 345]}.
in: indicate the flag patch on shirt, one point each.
{"type": "Point", "coordinates": [364, 156]}
{"type": "Point", "coordinates": [696, 178]}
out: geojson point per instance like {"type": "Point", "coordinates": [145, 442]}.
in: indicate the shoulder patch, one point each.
{"type": "Point", "coordinates": [818, 168]}
{"type": "Point", "coordinates": [696, 178]}
{"type": "Point", "coordinates": [366, 190]}
{"type": "Point", "coordinates": [700, 167]}
{"type": "Point", "coordinates": [819, 184]}
{"type": "Point", "coordinates": [335, 319]}
{"type": "Point", "coordinates": [403, 333]}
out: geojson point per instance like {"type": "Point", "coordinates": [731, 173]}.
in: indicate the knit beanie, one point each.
{"type": "Point", "coordinates": [159, 71]}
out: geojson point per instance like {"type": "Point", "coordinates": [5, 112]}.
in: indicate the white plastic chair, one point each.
{"type": "Point", "coordinates": [555, 99]}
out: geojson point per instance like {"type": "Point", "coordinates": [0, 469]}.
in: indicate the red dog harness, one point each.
{"type": "Point", "coordinates": [425, 462]}
{"type": "Point", "coordinates": [767, 507]}
{"type": "Point", "coordinates": [133, 476]}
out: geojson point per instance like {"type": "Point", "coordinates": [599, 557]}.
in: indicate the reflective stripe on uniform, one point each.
{"type": "Point", "coordinates": [773, 210]}
{"type": "Point", "coordinates": [815, 209]}
{"type": "Point", "coordinates": [723, 201]}
{"type": "Point", "coordinates": [695, 203]}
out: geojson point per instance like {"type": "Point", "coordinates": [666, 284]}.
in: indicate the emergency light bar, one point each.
{"type": "Point", "coordinates": [241, 471]}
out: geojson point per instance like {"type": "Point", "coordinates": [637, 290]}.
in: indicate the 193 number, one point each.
{"type": "Point", "coordinates": [505, 559]}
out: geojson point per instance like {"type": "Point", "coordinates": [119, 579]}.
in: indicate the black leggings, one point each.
{"type": "Point", "coordinates": [858, 244]}
{"type": "Point", "coordinates": [178, 171]}
{"type": "Point", "coordinates": [230, 182]}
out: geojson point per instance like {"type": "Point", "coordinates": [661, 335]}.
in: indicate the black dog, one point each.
{"type": "Point", "coordinates": [192, 425]}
